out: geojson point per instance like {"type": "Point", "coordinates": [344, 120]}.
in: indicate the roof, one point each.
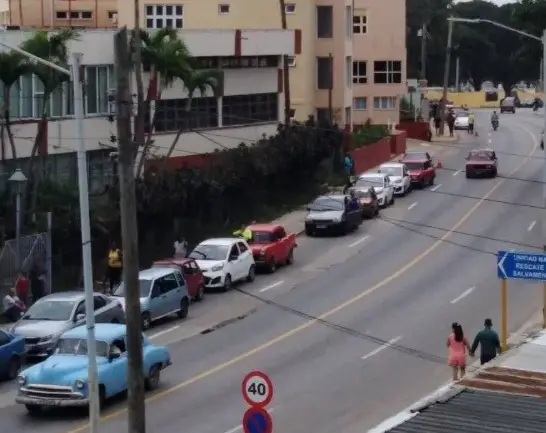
{"type": "Point", "coordinates": [65, 296]}
{"type": "Point", "coordinates": [220, 241]}
{"type": "Point", "coordinates": [103, 331]}
{"type": "Point", "coordinates": [487, 149]}
{"type": "Point", "coordinates": [392, 164]}
{"type": "Point", "coordinates": [371, 174]}
{"type": "Point", "coordinates": [331, 197]}
{"type": "Point", "coordinates": [173, 261]}
{"type": "Point", "coordinates": [263, 227]}
{"type": "Point", "coordinates": [419, 160]}
{"type": "Point", "coordinates": [153, 273]}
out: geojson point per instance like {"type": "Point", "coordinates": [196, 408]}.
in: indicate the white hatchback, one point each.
{"type": "Point", "coordinates": [382, 185]}
{"type": "Point", "coordinates": [461, 120]}
{"type": "Point", "coordinates": [399, 175]}
{"type": "Point", "coordinates": [224, 261]}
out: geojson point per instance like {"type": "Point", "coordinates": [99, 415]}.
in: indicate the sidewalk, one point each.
{"type": "Point", "coordinates": [445, 138]}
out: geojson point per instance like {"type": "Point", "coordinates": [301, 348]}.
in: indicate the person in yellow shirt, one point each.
{"type": "Point", "coordinates": [244, 232]}
{"type": "Point", "coordinates": [114, 266]}
{"type": "Point", "coordinates": [471, 121]}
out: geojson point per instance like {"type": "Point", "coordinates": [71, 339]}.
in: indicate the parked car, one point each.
{"type": "Point", "coordinates": [271, 246]}
{"type": "Point", "coordinates": [191, 272]}
{"type": "Point", "coordinates": [481, 162]}
{"type": "Point", "coordinates": [12, 354]}
{"type": "Point", "coordinates": [416, 155]}
{"type": "Point", "coordinates": [382, 185]}
{"type": "Point", "coordinates": [462, 120]}
{"type": "Point", "coordinates": [422, 172]}
{"type": "Point", "coordinates": [331, 213]}
{"type": "Point", "coordinates": [63, 381]}
{"type": "Point", "coordinates": [225, 261]}
{"type": "Point", "coordinates": [54, 314]}
{"type": "Point", "coordinates": [368, 201]}
{"type": "Point", "coordinates": [163, 292]}
{"type": "Point", "coordinates": [398, 175]}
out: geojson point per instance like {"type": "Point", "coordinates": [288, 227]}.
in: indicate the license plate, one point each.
{"type": "Point", "coordinates": [321, 226]}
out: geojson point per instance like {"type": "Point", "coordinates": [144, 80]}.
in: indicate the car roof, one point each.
{"type": "Point", "coordinates": [415, 151]}
{"type": "Point", "coordinates": [72, 295]}
{"type": "Point", "coordinates": [263, 227]}
{"type": "Point", "coordinates": [103, 331]}
{"type": "Point", "coordinates": [392, 164]}
{"type": "Point", "coordinates": [153, 273]}
{"type": "Point", "coordinates": [419, 160]}
{"type": "Point", "coordinates": [487, 149]}
{"type": "Point", "coordinates": [221, 241]}
{"type": "Point", "coordinates": [174, 261]}
{"type": "Point", "coordinates": [331, 197]}
{"type": "Point", "coordinates": [371, 174]}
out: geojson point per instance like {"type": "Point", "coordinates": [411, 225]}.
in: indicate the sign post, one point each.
{"type": "Point", "coordinates": [504, 314]}
{"type": "Point", "coordinates": [257, 390]}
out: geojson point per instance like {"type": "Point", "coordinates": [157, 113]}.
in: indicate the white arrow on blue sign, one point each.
{"type": "Point", "coordinates": [513, 265]}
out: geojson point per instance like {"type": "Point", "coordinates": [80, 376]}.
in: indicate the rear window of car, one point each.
{"type": "Point", "coordinates": [480, 156]}
{"type": "Point", "coordinates": [415, 165]}
{"type": "Point", "coordinates": [262, 237]}
{"type": "Point", "coordinates": [360, 193]}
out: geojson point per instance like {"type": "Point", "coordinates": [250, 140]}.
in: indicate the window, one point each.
{"type": "Point", "coordinates": [249, 62]}
{"type": "Point", "coordinates": [98, 81]}
{"type": "Point", "coordinates": [360, 103]}
{"type": "Point", "coordinates": [74, 15]}
{"type": "Point", "coordinates": [384, 103]}
{"type": "Point", "coordinates": [324, 73]}
{"type": "Point", "coordinates": [348, 72]}
{"type": "Point", "coordinates": [164, 16]}
{"type": "Point", "coordinates": [223, 9]}
{"type": "Point", "coordinates": [325, 22]}
{"type": "Point", "coordinates": [112, 15]}
{"type": "Point", "coordinates": [167, 283]}
{"type": "Point", "coordinates": [234, 252]}
{"type": "Point", "coordinates": [360, 75]}
{"type": "Point", "coordinates": [242, 247]}
{"type": "Point", "coordinates": [62, 15]}
{"type": "Point", "coordinates": [86, 15]}
{"type": "Point", "coordinates": [247, 109]}
{"type": "Point", "coordinates": [291, 61]}
{"type": "Point", "coordinates": [348, 21]}
{"type": "Point", "coordinates": [173, 114]}
{"type": "Point", "coordinates": [179, 279]}
{"type": "Point", "coordinates": [360, 22]}
{"type": "Point", "coordinates": [387, 72]}
{"type": "Point", "coordinates": [98, 302]}
{"type": "Point", "coordinates": [290, 8]}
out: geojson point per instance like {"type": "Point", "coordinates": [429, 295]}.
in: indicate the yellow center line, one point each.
{"type": "Point", "coordinates": [325, 315]}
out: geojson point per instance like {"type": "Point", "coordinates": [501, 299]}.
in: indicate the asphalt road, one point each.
{"type": "Point", "coordinates": [428, 262]}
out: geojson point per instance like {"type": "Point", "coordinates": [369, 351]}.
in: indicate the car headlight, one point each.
{"type": "Point", "coordinates": [217, 268]}
{"type": "Point", "coordinates": [336, 219]}
{"type": "Point", "coordinates": [80, 384]}
{"type": "Point", "coordinates": [21, 380]}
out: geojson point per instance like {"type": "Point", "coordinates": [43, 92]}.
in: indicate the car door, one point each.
{"type": "Point", "coordinates": [6, 351]}
{"type": "Point", "coordinates": [190, 277]}
{"type": "Point", "coordinates": [234, 263]}
{"type": "Point", "coordinates": [158, 300]}
{"type": "Point", "coordinates": [198, 274]}
{"type": "Point", "coordinates": [181, 290]}
{"type": "Point", "coordinates": [246, 258]}
{"type": "Point", "coordinates": [171, 291]}
{"type": "Point", "coordinates": [100, 309]}
{"type": "Point", "coordinates": [428, 171]}
{"type": "Point", "coordinates": [116, 380]}
{"type": "Point", "coordinates": [406, 178]}
{"type": "Point", "coordinates": [282, 248]}
{"type": "Point", "coordinates": [388, 187]}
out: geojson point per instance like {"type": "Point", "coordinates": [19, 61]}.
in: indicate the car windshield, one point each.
{"type": "Point", "coordinates": [59, 310]}
{"type": "Point", "coordinates": [210, 252]}
{"type": "Point", "coordinates": [78, 346]}
{"type": "Point", "coordinates": [415, 155]}
{"type": "Point", "coordinates": [393, 171]}
{"type": "Point", "coordinates": [459, 115]}
{"type": "Point", "coordinates": [325, 204]}
{"type": "Point", "coordinates": [262, 237]}
{"type": "Point", "coordinates": [370, 181]}
{"type": "Point", "coordinates": [362, 193]}
{"type": "Point", "coordinates": [144, 288]}
{"type": "Point", "coordinates": [480, 156]}
{"type": "Point", "coordinates": [415, 165]}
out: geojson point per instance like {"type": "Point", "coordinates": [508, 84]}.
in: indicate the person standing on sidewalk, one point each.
{"type": "Point", "coordinates": [114, 266]}
{"type": "Point", "coordinates": [489, 341]}
{"type": "Point", "coordinates": [457, 345]}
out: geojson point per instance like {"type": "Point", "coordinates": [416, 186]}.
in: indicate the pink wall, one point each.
{"type": "Point", "coordinates": [371, 155]}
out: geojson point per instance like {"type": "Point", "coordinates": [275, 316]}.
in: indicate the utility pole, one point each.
{"type": "Point", "coordinates": [127, 148]}
{"type": "Point", "coordinates": [457, 72]}
{"type": "Point", "coordinates": [285, 70]}
{"type": "Point", "coordinates": [330, 87]}
{"type": "Point", "coordinates": [424, 52]}
{"type": "Point", "coordinates": [446, 75]}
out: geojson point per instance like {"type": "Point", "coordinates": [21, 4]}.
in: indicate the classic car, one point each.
{"type": "Point", "coordinates": [224, 261]}
{"type": "Point", "coordinates": [190, 270]}
{"type": "Point", "coordinates": [54, 314]}
{"type": "Point", "coordinates": [163, 292]}
{"type": "Point", "coordinates": [382, 185]}
{"type": "Point", "coordinates": [271, 246]}
{"type": "Point", "coordinates": [331, 213]}
{"type": "Point", "coordinates": [422, 172]}
{"type": "Point", "coordinates": [368, 201]}
{"type": "Point", "coordinates": [62, 379]}
{"type": "Point", "coordinates": [399, 176]}
{"type": "Point", "coordinates": [12, 353]}
{"type": "Point", "coordinates": [481, 162]}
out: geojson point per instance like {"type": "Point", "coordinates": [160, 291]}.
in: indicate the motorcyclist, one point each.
{"type": "Point", "coordinates": [494, 117]}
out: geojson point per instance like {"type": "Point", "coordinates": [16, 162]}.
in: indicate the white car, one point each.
{"type": "Point", "coordinates": [382, 185]}
{"type": "Point", "coordinates": [461, 120]}
{"type": "Point", "coordinates": [399, 176]}
{"type": "Point", "coordinates": [224, 261]}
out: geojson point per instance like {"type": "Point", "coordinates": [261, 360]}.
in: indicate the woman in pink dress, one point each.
{"type": "Point", "coordinates": [457, 346]}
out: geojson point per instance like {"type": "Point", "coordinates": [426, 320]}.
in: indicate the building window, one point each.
{"type": "Point", "coordinates": [223, 9]}
{"type": "Point", "coordinates": [86, 15]}
{"type": "Point", "coordinates": [387, 72]}
{"type": "Point", "coordinates": [173, 114]}
{"type": "Point", "coordinates": [112, 15]}
{"type": "Point", "coordinates": [291, 61]}
{"type": "Point", "coordinates": [324, 73]}
{"type": "Point", "coordinates": [323, 114]}
{"type": "Point", "coordinates": [325, 21]}
{"type": "Point", "coordinates": [348, 21]}
{"type": "Point", "coordinates": [247, 109]}
{"type": "Point", "coordinates": [360, 73]}
{"type": "Point", "coordinates": [99, 80]}
{"type": "Point", "coordinates": [290, 8]}
{"type": "Point", "coordinates": [242, 62]}
{"type": "Point", "coordinates": [62, 15]}
{"type": "Point", "coordinates": [164, 16]}
{"type": "Point", "coordinates": [348, 72]}
{"type": "Point", "coordinates": [360, 103]}
{"type": "Point", "coordinates": [384, 103]}
{"type": "Point", "coordinates": [360, 22]}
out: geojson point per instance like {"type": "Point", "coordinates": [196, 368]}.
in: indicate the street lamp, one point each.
{"type": "Point", "coordinates": [74, 73]}
{"type": "Point", "coordinates": [18, 181]}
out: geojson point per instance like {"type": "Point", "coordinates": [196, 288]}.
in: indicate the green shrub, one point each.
{"type": "Point", "coordinates": [368, 134]}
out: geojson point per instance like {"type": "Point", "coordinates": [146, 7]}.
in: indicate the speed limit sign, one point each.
{"type": "Point", "coordinates": [257, 389]}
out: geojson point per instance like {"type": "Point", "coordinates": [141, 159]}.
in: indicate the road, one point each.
{"type": "Point", "coordinates": [429, 261]}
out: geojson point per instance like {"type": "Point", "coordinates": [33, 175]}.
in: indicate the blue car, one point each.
{"type": "Point", "coordinates": [62, 379]}
{"type": "Point", "coordinates": [12, 353]}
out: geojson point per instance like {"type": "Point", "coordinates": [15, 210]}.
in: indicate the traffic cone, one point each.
{"type": "Point", "coordinates": [476, 133]}
{"type": "Point", "coordinates": [439, 164]}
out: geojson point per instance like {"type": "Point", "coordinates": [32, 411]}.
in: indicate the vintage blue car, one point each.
{"type": "Point", "coordinates": [62, 379]}
{"type": "Point", "coordinates": [12, 353]}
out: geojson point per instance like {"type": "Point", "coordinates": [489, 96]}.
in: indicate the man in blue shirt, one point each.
{"type": "Point", "coordinates": [489, 341]}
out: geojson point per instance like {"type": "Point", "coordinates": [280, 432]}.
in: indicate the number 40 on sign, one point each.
{"type": "Point", "coordinates": [257, 389]}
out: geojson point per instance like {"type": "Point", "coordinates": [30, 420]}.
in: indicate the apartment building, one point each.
{"type": "Point", "coordinates": [353, 52]}
{"type": "Point", "coordinates": [59, 13]}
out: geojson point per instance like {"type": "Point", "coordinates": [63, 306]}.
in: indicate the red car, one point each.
{"type": "Point", "coordinates": [482, 162]}
{"type": "Point", "coordinates": [191, 271]}
{"type": "Point", "coordinates": [272, 246]}
{"type": "Point", "coordinates": [422, 171]}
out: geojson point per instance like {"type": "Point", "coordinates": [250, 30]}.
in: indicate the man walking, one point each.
{"type": "Point", "coordinates": [489, 341]}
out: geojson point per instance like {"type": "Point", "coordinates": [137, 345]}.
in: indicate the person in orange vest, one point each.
{"type": "Point", "coordinates": [114, 266]}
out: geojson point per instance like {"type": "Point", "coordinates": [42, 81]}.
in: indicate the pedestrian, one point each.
{"type": "Point", "coordinates": [244, 232]}
{"type": "Point", "coordinates": [451, 122]}
{"type": "Point", "coordinates": [180, 247]}
{"type": "Point", "coordinates": [437, 122]}
{"type": "Point", "coordinates": [36, 282]}
{"type": "Point", "coordinates": [114, 266]}
{"type": "Point", "coordinates": [457, 345]}
{"type": "Point", "coordinates": [22, 287]}
{"type": "Point", "coordinates": [13, 307]}
{"type": "Point", "coordinates": [471, 121]}
{"type": "Point", "coordinates": [489, 343]}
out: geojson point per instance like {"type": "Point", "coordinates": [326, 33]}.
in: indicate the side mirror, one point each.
{"type": "Point", "coordinates": [79, 316]}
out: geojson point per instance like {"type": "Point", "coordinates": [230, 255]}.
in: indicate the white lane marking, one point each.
{"type": "Point", "coordinates": [165, 331]}
{"type": "Point", "coordinates": [457, 172]}
{"type": "Point", "coordinates": [490, 141]}
{"type": "Point", "coordinates": [412, 206]}
{"type": "Point", "coordinates": [240, 426]}
{"type": "Point", "coordinates": [489, 134]}
{"type": "Point", "coordinates": [463, 295]}
{"type": "Point", "coordinates": [436, 187]}
{"type": "Point", "coordinates": [362, 239]}
{"type": "Point", "coordinates": [425, 144]}
{"type": "Point", "coordinates": [382, 347]}
{"type": "Point", "coordinates": [272, 286]}
{"type": "Point", "coordinates": [531, 226]}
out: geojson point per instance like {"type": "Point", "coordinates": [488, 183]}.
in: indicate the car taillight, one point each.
{"type": "Point", "coordinates": [365, 201]}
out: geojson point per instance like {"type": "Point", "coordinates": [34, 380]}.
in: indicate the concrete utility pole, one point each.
{"type": "Point", "coordinates": [127, 148]}
{"type": "Point", "coordinates": [446, 75]}
{"type": "Point", "coordinates": [285, 70]}
{"type": "Point", "coordinates": [457, 73]}
{"type": "Point", "coordinates": [424, 52]}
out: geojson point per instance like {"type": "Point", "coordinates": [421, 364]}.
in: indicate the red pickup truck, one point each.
{"type": "Point", "coordinates": [272, 246]}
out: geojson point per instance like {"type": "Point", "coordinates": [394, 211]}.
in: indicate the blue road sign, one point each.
{"type": "Point", "coordinates": [257, 420]}
{"type": "Point", "coordinates": [512, 265]}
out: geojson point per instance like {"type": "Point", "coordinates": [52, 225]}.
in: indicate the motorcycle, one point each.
{"type": "Point", "coordinates": [495, 124]}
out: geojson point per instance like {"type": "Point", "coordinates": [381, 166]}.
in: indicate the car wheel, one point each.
{"type": "Point", "coordinates": [13, 367]}
{"type": "Point", "coordinates": [290, 258]}
{"type": "Point", "coordinates": [431, 182]}
{"type": "Point", "coordinates": [251, 274]}
{"type": "Point", "coordinates": [227, 283]}
{"type": "Point", "coordinates": [468, 176]}
{"type": "Point", "coordinates": [344, 228]}
{"type": "Point", "coordinates": [102, 396]}
{"type": "Point", "coordinates": [154, 375]}
{"type": "Point", "coordinates": [184, 308]}
{"type": "Point", "coordinates": [271, 266]}
{"type": "Point", "coordinates": [33, 409]}
{"type": "Point", "coordinates": [309, 232]}
{"type": "Point", "coordinates": [494, 172]}
{"type": "Point", "coordinates": [392, 200]}
{"type": "Point", "coordinates": [146, 321]}
{"type": "Point", "coordinates": [200, 293]}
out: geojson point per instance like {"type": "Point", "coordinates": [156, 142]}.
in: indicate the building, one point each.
{"type": "Point", "coordinates": [59, 13]}
{"type": "Point", "coordinates": [366, 39]}
{"type": "Point", "coordinates": [250, 103]}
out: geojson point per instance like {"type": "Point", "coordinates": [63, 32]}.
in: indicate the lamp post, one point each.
{"type": "Point", "coordinates": [18, 181]}
{"type": "Point", "coordinates": [74, 73]}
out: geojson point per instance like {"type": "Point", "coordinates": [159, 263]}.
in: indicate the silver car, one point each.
{"type": "Point", "coordinates": [54, 314]}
